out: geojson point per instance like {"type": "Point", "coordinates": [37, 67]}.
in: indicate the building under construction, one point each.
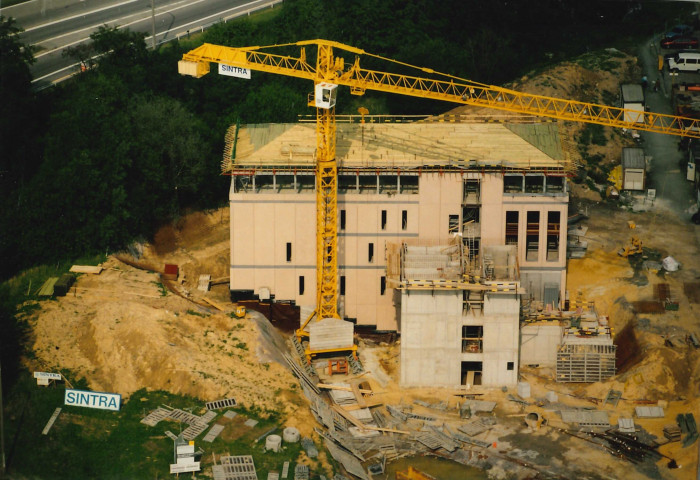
{"type": "Point", "coordinates": [442, 225]}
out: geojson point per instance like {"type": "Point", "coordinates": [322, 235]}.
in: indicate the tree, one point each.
{"type": "Point", "coordinates": [20, 124]}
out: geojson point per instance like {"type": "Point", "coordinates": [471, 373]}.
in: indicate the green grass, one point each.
{"type": "Point", "coordinates": [87, 443]}
{"type": "Point", "coordinates": [25, 286]}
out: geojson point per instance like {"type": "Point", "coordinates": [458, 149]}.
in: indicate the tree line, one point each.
{"type": "Point", "coordinates": [102, 159]}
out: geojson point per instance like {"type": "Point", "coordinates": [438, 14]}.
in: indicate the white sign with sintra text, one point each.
{"type": "Point", "coordinates": [233, 71]}
{"type": "Point", "coordinates": [100, 400]}
{"type": "Point", "coordinates": [47, 375]}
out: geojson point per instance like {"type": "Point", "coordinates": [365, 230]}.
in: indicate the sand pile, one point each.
{"type": "Point", "coordinates": [122, 330]}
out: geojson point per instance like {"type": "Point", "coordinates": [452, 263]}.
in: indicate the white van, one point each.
{"type": "Point", "coordinates": [685, 62]}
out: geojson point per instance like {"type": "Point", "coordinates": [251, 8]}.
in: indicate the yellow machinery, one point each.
{"type": "Point", "coordinates": [413, 474]}
{"type": "Point", "coordinates": [240, 311]}
{"type": "Point", "coordinates": [633, 248]}
{"type": "Point", "coordinates": [331, 70]}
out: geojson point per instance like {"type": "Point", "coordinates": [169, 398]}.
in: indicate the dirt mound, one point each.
{"type": "Point", "coordinates": [123, 330]}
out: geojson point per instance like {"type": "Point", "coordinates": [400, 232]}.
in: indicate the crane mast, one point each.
{"type": "Point", "coordinates": [331, 71]}
{"type": "Point", "coordinates": [326, 198]}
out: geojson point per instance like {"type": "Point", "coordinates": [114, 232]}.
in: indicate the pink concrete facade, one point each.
{"type": "Point", "coordinates": [273, 238]}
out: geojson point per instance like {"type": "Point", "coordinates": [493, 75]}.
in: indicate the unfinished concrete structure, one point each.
{"type": "Point", "coordinates": [578, 343]}
{"type": "Point", "coordinates": [468, 184]}
{"type": "Point", "coordinates": [459, 320]}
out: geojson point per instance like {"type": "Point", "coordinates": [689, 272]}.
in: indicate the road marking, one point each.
{"type": "Point", "coordinates": [146, 38]}
{"type": "Point", "coordinates": [115, 21]}
{"type": "Point", "coordinates": [79, 15]}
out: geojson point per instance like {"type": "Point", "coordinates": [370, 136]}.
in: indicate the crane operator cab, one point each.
{"type": "Point", "coordinates": [324, 95]}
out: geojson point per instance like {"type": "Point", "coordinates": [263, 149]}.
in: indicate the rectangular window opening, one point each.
{"type": "Point", "coordinates": [453, 224]}
{"type": "Point", "coordinates": [553, 235]}
{"type": "Point", "coordinates": [383, 219]}
{"type": "Point", "coordinates": [301, 284]}
{"type": "Point", "coordinates": [472, 191]}
{"type": "Point", "coordinates": [472, 338]}
{"type": "Point", "coordinates": [513, 183]}
{"type": "Point", "coordinates": [404, 219]}
{"type": "Point", "coordinates": [512, 227]}
{"type": "Point", "coordinates": [342, 284]}
{"type": "Point", "coordinates": [510, 365]}
{"type": "Point", "coordinates": [342, 219]}
{"type": "Point", "coordinates": [534, 183]}
{"type": "Point", "coordinates": [555, 184]}
{"type": "Point", "coordinates": [471, 373]}
{"type": "Point", "coordinates": [382, 286]}
{"type": "Point", "coordinates": [532, 237]}
{"type": "Point", "coordinates": [289, 252]}
{"type": "Point", "coordinates": [370, 253]}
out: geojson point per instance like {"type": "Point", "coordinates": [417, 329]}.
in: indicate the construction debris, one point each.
{"type": "Point", "coordinates": [649, 412]}
{"type": "Point", "coordinates": [203, 283]}
{"type": "Point", "coordinates": [587, 418]}
{"type": "Point", "coordinates": [217, 404]}
{"type": "Point", "coordinates": [688, 428]}
{"type": "Point", "coordinates": [51, 421]}
{"type": "Point", "coordinates": [613, 397]}
{"type": "Point", "coordinates": [672, 432]}
{"type": "Point", "coordinates": [633, 248]}
{"type": "Point", "coordinates": [213, 433]}
{"type": "Point", "coordinates": [236, 467]}
{"type": "Point", "coordinates": [625, 425]}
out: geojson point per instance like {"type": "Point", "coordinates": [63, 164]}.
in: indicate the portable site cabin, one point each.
{"type": "Point", "coordinates": [633, 169]}
{"type": "Point", "coordinates": [632, 98]}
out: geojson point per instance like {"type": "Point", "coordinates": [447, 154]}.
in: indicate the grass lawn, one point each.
{"type": "Point", "coordinates": [89, 443]}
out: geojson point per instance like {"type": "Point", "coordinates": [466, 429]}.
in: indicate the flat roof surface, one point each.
{"type": "Point", "coordinates": [412, 145]}
{"type": "Point", "coordinates": [632, 93]}
{"type": "Point", "coordinates": [633, 158]}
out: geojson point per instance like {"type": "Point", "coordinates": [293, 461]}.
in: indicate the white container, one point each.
{"type": "Point", "coordinates": [523, 390]}
{"type": "Point", "coordinates": [273, 442]}
{"type": "Point", "coordinates": [290, 435]}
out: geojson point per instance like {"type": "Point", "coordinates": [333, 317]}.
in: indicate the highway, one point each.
{"type": "Point", "coordinates": [51, 31]}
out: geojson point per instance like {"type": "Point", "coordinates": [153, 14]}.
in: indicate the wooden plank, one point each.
{"type": "Point", "coordinates": [358, 395]}
{"type": "Point", "coordinates": [470, 378]}
{"type": "Point", "coordinates": [46, 289]}
{"type": "Point", "coordinates": [95, 270]}
{"type": "Point", "coordinates": [361, 425]}
{"type": "Point", "coordinates": [51, 421]}
{"type": "Point", "coordinates": [214, 304]}
{"type": "Point", "coordinates": [345, 389]}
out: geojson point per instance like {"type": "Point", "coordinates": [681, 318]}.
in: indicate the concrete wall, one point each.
{"type": "Point", "coordinates": [431, 324]}
{"type": "Point", "coordinates": [263, 223]}
{"type": "Point", "coordinates": [431, 339]}
{"type": "Point", "coordinates": [440, 196]}
{"type": "Point", "coordinates": [495, 204]}
{"type": "Point", "coordinates": [538, 344]}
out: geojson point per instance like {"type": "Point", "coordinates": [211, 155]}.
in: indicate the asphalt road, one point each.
{"type": "Point", "coordinates": [666, 175]}
{"type": "Point", "coordinates": [53, 31]}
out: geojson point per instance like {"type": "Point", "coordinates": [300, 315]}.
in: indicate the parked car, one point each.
{"type": "Point", "coordinates": [668, 56]}
{"type": "Point", "coordinates": [679, 31]}
{"type": "Point", "coordinates": [679, 42]}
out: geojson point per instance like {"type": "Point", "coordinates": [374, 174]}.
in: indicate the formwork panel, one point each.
{"type": "Point", "coordinates": [585, 363]}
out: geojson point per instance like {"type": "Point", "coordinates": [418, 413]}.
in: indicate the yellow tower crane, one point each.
{"type": "Point", "coordinates": [331, 70]}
